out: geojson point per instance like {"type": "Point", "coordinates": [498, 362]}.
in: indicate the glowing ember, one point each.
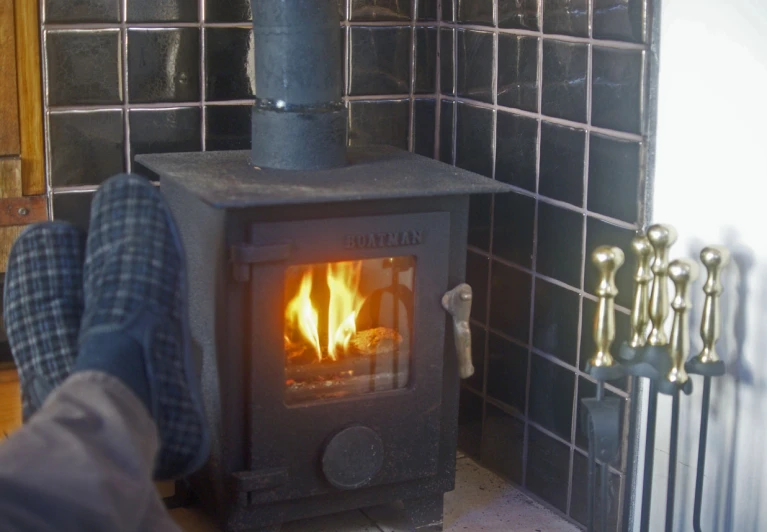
{"type": "Point", "coordinates": [344, 303]}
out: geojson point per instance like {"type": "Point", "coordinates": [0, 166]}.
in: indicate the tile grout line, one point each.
{"type": "Point", "coordinates": [412, 68]}
{"type": "Point", "coordinates": [488, 288]}
{"type": "Point", "coordinates": [534, 262]}
{"type": "Point", "coordinates": [605, 43]}
{"type": "Point", "coordinates": [126, 91]}
{"type": "Point", "coordinates": [168, 25]}
{"type": "Point", "coordinates": [438, 84]}
{"type": "Point", "coordinates": [43, 40]}
{"type": "Point", "coordinates": [203, 76]}
{"type": "Point", "coordinates": [587, 128]}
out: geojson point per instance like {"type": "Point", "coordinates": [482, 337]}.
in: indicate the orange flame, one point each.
{"type": "Point", "coordinates": [344, 303]}
{"type": "Point", "coordinates": [343, 281]}
{"type": "Point", "coordinates": [300, 314]}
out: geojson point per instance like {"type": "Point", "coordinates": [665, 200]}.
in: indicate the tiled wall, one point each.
{"type": "Point", "coordinates": [548, 96]}
{"type": "Point", "coordinates": [124, 77]}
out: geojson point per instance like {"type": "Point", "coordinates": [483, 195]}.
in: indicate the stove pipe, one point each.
{"type": "Point", "coordinates": [299, 119]}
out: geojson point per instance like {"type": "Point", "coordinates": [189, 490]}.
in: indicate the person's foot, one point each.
{"type": "Point", "coordinates": [42, 306]}
{"type": "Point", "coordinates": [135, 292]}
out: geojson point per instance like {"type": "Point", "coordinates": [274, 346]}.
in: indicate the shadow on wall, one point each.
{"type": "Point", "coordinates": [735, 461]}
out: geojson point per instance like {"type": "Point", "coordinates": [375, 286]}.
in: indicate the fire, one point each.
{"type": "Point", "coordinates": [300, 314]}
{"type": "Point", "coordinates": [344, 303]}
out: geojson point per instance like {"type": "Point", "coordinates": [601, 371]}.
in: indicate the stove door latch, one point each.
{"type": "Point", "coordinates": [458, 303]}
{"type": "Point", "coordinates": [243, 255]}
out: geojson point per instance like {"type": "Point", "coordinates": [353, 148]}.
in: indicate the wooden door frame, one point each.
{"type": "Point", "coordinates": [23, 198]}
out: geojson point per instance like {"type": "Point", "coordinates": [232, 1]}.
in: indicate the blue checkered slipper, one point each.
{"type": "Point", "coordinates": [42, 305]}
{"type": "Point", "coordinates": [135, 282]}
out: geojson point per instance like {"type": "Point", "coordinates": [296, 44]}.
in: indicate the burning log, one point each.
{"type": "Point", "coordinates": [378, 346]}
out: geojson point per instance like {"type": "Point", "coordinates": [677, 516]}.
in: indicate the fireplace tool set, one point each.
{"type": "Point", "coordinates": [650, 354]}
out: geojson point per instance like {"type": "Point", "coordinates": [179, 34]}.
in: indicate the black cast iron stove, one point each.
{"type": "Point", "coordinates": [327, 303]}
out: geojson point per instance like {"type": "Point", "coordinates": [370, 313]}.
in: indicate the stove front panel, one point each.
{"type": "Point", "coordinates": [344, 357]}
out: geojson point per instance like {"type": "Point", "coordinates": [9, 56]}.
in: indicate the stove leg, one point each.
{"type": "Point", "coordinates": [425, 513]}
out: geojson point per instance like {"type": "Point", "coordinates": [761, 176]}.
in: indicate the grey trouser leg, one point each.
{"type": "Point", "coordinates": [83, 462]}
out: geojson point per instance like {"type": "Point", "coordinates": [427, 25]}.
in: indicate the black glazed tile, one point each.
{"type": "Point", "coordinates": [229, 11]}
{"type": "Point", "coordinates": [474, 12]}
{"type": "Point", "coordinates": [480, 208]}
{"type": "Point", "coordinates": [564, 80]}
{"type": "Point", "coordinates": [507, 372]}
{"type": "Point", "coordinates": [551, 396]}
{"type": "Point", "coordinates": [378, 10]}
{"type": "Point", "coordinates": [562, 154]}
{"type": "Point", "coordinates": [164, 65]}
{"type": "Point", "coordinates": [229, 64]}
{"type": "Point", "coordinates": [165, 130]}
{"type": "Point", "coordinates": [618, 19]}
{"type": "Point", "coordinates": [68, 11]}
{"type": "Point", "coordinates": [513, 225]}
{"type": "Point", "coordinates": [518, 72]}
{"type": "Point", "coordinates": [560, 243]}
{"type": "Point", "coordinates": [555, 325]}
{"type": "Point", "coordinates": [548, 468]}
{"type": "Point", "coordinates": [503, 443]}
{"type": "Point", "coordinates": [446, 131]}
{"type": "Point", "coordinates": [86, 147]}
{"type": "Point", "coordinates": [163, 11]}
{"type": "Point", "coordinates": [601, 233]}
{"type": "Point", "coordinates": [579, 503]}
{"type": "Point", "coordinates": [519, 14]}
{"type": "Point", "coordinates": [446, 60]}
{"type": "Point", "coordinates": [74, 208]}
{"type": "Point", "coordinates": [470, 422]}
{"type": "Point", "coordinates": [476, 381]}
{"type": "Point", "coordinates": [427, 9]}
{"type": "Point", "coordinates": [380, 61]}
{"type": "Point", "coordinates": [474, 139]}
{"type": "Point", "coordinates": [510, 301]}
{"type": "Point", "coordinates": [424, 123]}
{"type": "Point", "coordinates": [566, 17]}
{"type": "Point", "coordinates": [614, 177]}
{"type": "Point", "coordinates": [477, 276]}
{"type": "Point", "coordinates": [448, 10]}
{"type": "Point", "coordinates": [227, 127]}
{"type": "Point", "coordinates": [425, 66]}
{"type": "Point", "coordinates": [588, 347]}
{"type": "Point", "coordinates": [475, 65]}
{"type": "Point", "coordinates": [617, 89]}
{"type": "Point", "coordinates": [588, 390]}
{"type": "Point", "coordinates": [516, 150]}
{"type": "Point", "coordinates": [379, 122]}
{"type": "Point", "coordinates": [83, 67]}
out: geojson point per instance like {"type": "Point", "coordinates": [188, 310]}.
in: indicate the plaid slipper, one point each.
{"type": "Point", "coordinates": [42, 305]}
{"type": "Point", "coordinates": [135, 282]}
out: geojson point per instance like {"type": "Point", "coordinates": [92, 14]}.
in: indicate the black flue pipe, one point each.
{"type": "Point", "coordinates": [299, 119]}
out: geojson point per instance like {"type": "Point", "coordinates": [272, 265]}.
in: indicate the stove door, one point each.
{"type": "Point", "coordinates": [346, 349]}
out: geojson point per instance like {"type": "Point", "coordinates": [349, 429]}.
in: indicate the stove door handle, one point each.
{"type": "Point", "coordinates": [457, 302]}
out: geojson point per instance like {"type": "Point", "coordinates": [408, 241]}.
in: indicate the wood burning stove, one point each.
{"type": "Point", "coordinates": [329, 365]}
{"type": "Point", "coordinates": [318, 278]}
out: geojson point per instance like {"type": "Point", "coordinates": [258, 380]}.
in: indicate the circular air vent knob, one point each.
{"type": "Point", "coordinates": [353, 457]}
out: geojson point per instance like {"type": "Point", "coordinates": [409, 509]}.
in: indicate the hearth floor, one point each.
{"type": "Point", "coordinates": [481, 502]}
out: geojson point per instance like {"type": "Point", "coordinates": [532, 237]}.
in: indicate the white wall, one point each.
{"type": "Point", "coordinates": [711, 184]}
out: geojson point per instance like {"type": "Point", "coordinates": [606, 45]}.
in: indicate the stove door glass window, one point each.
{"type": "Point", "coordinates": [348, 328]}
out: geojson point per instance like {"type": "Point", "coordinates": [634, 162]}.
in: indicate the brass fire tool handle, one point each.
{"type": "Point", "coordinates": [640, 311]}
{"type": "Point", "coordinates": [602, 365]}
{"type": "Point", "coordinates": [457, 302]}
{"type": "Point", "coordinates": [655, 360]}
{"type": "Point", "coordinates": [707, 362]}
{"type": "Point", "coordinates": [682, 272]}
